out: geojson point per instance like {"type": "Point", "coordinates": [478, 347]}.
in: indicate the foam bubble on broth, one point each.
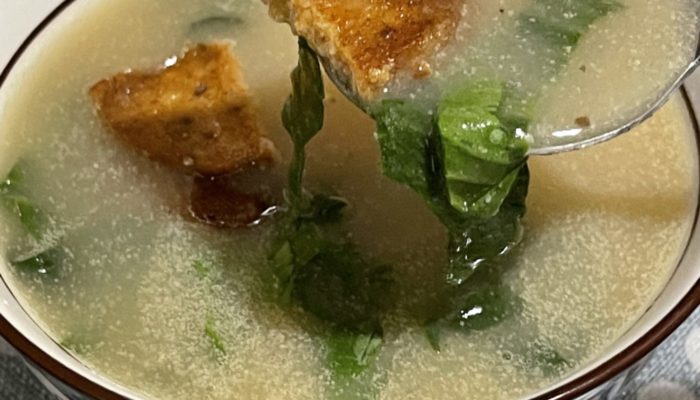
{"type": "Point", "coordinates": [596, 252]}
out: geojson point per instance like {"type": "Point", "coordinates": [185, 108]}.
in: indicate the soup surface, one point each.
{"type": "Point", "coordinates": [177, 310]}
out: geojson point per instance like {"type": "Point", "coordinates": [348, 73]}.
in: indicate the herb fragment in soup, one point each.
{"type": "Point", "coordinates": [214, 337]}
{"type": "Point", "coordinates": [471, 170]}
{"type": "Point", "coordinates": [81, 341]}
{"type": "Point", "coordinates": [350, 354]}
{"type": "Point", "coordinates": [485, 241]}
{"type": "Point", "coordinates": [546, 358]}
{"type": "Point", "coordinates": [202, 268]}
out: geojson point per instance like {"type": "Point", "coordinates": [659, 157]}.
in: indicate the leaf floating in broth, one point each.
{"type": "Point", "coordinates": [340, 287]}
{"type": "Point", "coordinates": [351, 359]}
{"type": "Point", "coordinates": [474, 182]}
{"type": "Point", "coordinates": [485, 308]}
{"type": "Point", "coordinates": [546, 358]}
{"type": "Point", "coordinates": [214, 337]}
{"type": "Point", "coordinates": [350, 354]}
{"type": "Point", "coordinates": [81, 342]}
{"type": "Point", "coordinates": [34, 221]}
{"type": "Point", "coordinates": [45, 263]}
{"type": "Point", "coordinates": [303, 115]}
{"type": "Point", "coordinates": [202, 268]}
{"type": "Point", "coordinates": [46, 260]}
{"type": "Point", "coordinates": [12, 193]}
{"type": "Point", "coordinates": [14, 179]}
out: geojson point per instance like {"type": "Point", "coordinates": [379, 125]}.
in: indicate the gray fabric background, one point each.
{"type": "Point", "coordinates": [671, 373]}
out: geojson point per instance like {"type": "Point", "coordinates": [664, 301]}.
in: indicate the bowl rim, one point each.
{"type": "Point", "coordinates": [594, 378]}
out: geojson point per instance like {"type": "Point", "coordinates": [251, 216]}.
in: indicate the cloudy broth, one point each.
{"type": "Point", "coordinates": [129, 303]}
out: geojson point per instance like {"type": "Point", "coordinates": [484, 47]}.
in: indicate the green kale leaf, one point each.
{"type": "Point", "coordinates": [13, 197]}
{"type": "Point", "coordinates": [302, 115]}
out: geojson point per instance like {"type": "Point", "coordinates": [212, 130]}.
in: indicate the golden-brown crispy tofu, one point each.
{"type": "Point", "coordinates": [368, 42]}
{"type": "Point", "coordinates": [195, 114]}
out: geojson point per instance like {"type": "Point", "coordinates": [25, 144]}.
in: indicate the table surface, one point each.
{"type": "Point", "coordinates": [672, 372]}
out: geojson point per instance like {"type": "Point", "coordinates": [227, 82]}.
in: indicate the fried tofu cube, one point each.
{"type": "Point", "coordinates": [367, 43]}
{"type": "Point", "coordinates": [194, 114]}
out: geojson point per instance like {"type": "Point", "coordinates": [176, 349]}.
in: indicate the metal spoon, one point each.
{"type": "Point", "coordinates": [579, 142]}
{"type": "Point", "coordinates": [573, 142]}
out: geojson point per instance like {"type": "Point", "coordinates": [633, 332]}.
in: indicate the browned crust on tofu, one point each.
{"type": "Point", "coordinates": [370, 41]}
{"type": "Point", "coordinates": [195, 115]}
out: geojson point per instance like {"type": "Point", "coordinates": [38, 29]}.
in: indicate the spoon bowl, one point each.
{"type": "Point", "coordinates": [564, 135]}
{"type": "Point", "coordinates": [582, 139]}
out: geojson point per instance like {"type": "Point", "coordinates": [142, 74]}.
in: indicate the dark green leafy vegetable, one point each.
{"type": "Point", "coordinates": [402, 131]}
{"type": "Point", "coordinates": [45, 263]}
{"type": "Point", "coordinates": [31, 217]}
{"type": "Point", "coordinates": [298, 244]}
{"type": "Point", "coordinates": [468, 120]}
{"type": "Point", "coordinates": [432, 333]}
{"type": "Point", "coordinates": [484, 307]}
{"type": "Point", "coordinates": [315, 265]}
{"type": "Point", "coordinates": [340, 287]}
{"type": "Point", "coordinates": [350, 354]}
{"type": "Point", "coordinates": [303, 114]}
{"type": "Point", "coordinates": [563, 23]}
{"type": "Point", "coordinates": [475, 184]}
{"type": "Point", "coordinates": [482, 155]}
{"type": "Point", "coordinates": [13, 180]}
{"type": "Point", "coordinates": [351, 358]}
{"type": "Point", "coordinates": [485, 241]}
